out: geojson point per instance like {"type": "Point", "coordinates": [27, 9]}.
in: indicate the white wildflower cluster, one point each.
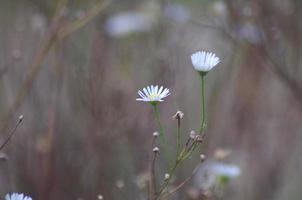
{"type": "Point", "coordinates": [201, 60]}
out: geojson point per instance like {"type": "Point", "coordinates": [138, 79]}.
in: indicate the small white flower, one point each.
{"type": "Point", "coordinates": [153, 94]}
{"type": "Point", "coordinates": [204, 61]}
{"type": "Point", "coordinates": [16, 196]}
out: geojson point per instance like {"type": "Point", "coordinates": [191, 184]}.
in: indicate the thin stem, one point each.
{"type": "Point", "coordinates": [203, 110]}
{"type": "Point", "coordinates": [11, 133]}
{"type": "Point", "coordinates": [178, 138]}
{"type": "Point", "coordinates": [152, 184]}
{"type": "Point", "coordinates": [166, 183]}
{"type": "Point", "coordinates": [157, 117]}
{"type": "Point", "coordinates": [182, 183]}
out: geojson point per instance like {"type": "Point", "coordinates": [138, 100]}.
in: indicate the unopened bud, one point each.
{"type": "Point", "coordinates": [178, 115]}
{"type": "Point", "coordinates": [192, 135]}
{"type": "Point", "coordinates": [167, 176]}
{"type": "Point", "coordinates": [202, 157]}
{"type": "Point", "coordinates": [199, 138]}
{"type": "Point", "coordinates": [155, 149]}
{"type": "Point", "coordinates": [155, 134]}
{"type": "Point", "coordinates": [100, 197]}
{"type": "Point", "coordinates": [20, 118]}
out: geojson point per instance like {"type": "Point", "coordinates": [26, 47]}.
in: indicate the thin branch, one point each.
{"type": "Point", "coordinates": [12, 132]}
{"type": "Point", "coordinates": [74, 26]}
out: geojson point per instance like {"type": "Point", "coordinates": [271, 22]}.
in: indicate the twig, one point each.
{"type": "Point", "coordinates": [12, 132]}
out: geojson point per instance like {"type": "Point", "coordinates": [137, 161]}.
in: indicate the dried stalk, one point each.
{"type": "Point", "coordinates": [56, 32]}
{"type": "Point", "coordinates": [11, 133]}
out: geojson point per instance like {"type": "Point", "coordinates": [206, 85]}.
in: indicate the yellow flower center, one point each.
{"type": "Point", "coordinates": [153, 96]}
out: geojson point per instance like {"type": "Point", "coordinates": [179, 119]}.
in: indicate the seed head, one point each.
{"type": "Point", "coordinates": [178, 115]}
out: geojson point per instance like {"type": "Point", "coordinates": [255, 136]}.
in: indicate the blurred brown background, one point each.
{"type": "Point", "coordinates": [73, 68]}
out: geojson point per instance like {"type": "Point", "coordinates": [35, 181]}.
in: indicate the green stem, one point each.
{"type": "Point", "coordinates": [203, 110]}
{"type": "Point", "coordinates": [157, 118]}
{"type": "Point", "coordinates": [178, 138]}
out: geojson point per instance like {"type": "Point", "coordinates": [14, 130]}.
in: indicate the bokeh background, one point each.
{"type": "Point", "coordinates": [73, 68]}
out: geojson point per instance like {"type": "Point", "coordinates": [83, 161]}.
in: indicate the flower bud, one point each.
{"type": "Point", "coordinates": [167, 176]}
{"type": "Point", "coordinates": [202, 157]}
{"type": "Point", "coordinates": [199, 138]}
{"type": "Point", "coordinates": [178, 115]}
{"type": "Point", "coordinates": [155, 134]}
{"type": "Point", "coordinates": [155, 149]}
{"type": "Point", "coordinates": [20, 118]}
{"type": "Point", "coordinates": [193, 135]}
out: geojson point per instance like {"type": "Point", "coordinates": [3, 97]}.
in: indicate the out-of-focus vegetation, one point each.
{"type": "Point", "coordinates": [73, 68]}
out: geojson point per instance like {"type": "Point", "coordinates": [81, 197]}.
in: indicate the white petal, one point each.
{"type": "Point", "coordinates": [146, 92]}
{"type": "Point", "coordinates": [156, 89]}
{"type": "Point", "coordinates": [141, 94]}
{"type": "Point", "coordinates": [160, 89]}
{"type": "Point", "coordinates": [149, 90]}
{"type": "Point", "coordinates": [152, 89]}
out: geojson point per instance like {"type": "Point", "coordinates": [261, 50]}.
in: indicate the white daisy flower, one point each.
{"type": "Point", "coordinates": [16, 196]}
{"type": "Point", "coordinates": [153, 94]}
{"type": "Point", "coordinates": [204, 61]}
